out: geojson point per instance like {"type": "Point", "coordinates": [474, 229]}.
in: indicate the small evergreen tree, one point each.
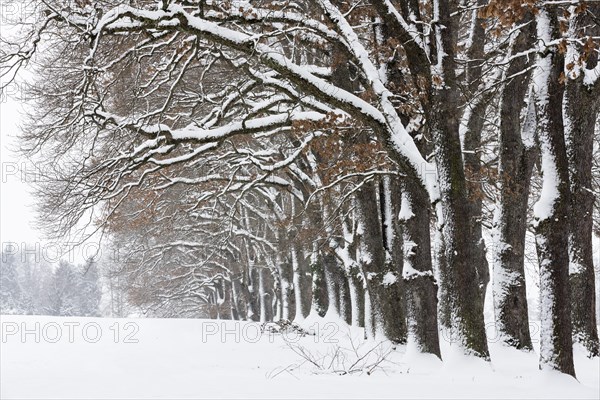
{"type": "Point", "coordinates": [89, 290]}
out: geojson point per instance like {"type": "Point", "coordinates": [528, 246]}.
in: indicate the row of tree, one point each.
{"type": "Point", "coordinates": [262, 159]}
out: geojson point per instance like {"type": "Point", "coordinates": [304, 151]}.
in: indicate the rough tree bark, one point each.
{"type": "Point", "coordinates": [302, 284]}
{"type": "Point", "coordinates": [393, 284]}
{"type": "Point", "coordinates": [266, 294]}
{"type": "Point", "coordinates": [252, 288]}
{"type": "Point", "coordinates": [386, 313]}
{"type": "Point", "coordinates": [333, 269]}
{"type": "Point", "coordinates": [419, 281]}
{"type": "Point", "coordinates": [286, 276]}
{"type": "Point", "coordinates": [516, 161]}
{"type": "Point", "coordinates": [552, 210]}
{"type": "Point", "coordinates": [459, 275]}
{"type": "Point", "coordinates": [473, 120]}
{"type": "Point", "coordinates": [581, 111]}
{"type": "Point", "coordinates": [345, 302]}
{"type": "Point", "coordinates": [356, 284]}
{"type": "Point", "coordinates": [320, 299]}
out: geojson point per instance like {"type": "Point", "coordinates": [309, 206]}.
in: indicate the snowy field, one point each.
{"type": "Point", "coordinates": [153, 358]}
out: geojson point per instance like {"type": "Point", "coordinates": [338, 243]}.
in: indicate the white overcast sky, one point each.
{"type": "Point", "coordinates": [16, 212]}
{"type": "Point", "coordinates": [17, 215]}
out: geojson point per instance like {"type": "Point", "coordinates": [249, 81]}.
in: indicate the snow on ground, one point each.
{"type": "Point", "coordinates": [175, 358]}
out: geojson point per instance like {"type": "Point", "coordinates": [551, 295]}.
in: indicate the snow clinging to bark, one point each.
{"type": "Point", "coordinates": [544, 207]}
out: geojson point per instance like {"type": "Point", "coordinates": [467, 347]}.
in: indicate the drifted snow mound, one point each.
{"type": "Point", "coordinates": [79, 358]}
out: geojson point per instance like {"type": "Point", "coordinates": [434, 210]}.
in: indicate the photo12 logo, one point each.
{"type": "Point", "coordinates": [54, 252]}
{"type": "Point", "coordinates": [69, 332]}
{"type": "Point", "coordinates": [20, 171]}
{"type": "Point", "coordinates": [14, 12]}
{"type": "Point", "coordinates": [253, 332]}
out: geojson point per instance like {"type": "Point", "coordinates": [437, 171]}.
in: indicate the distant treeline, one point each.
{"type": "Point", "coordinates": [30, 286]}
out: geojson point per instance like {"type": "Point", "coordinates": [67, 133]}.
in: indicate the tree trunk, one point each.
{"type": "Point", "coordinates": [301, 278]}
{"type": "Point", "coordinates": [332, 279]}
{"type": "Point", "coordinates": [386, 314]}
{"type": "Point", "coordinates": [581, 111]}
{"type": "Point", "coordinates": [344, 297]}
{"type": "Point", "coordinates": [552, 209]}
{"type": "Point", "coordinates": [238, 307]}
{"type": "Point", "coordinates": [473, 170]}
{"type": "Point", "coordinates": [357, 297]}
{"type": "Point", "coordinates": [393, 284]}
{"type": "Point", "coordinates": [320, 299]}
{"type": "Point", "coordinates": [302, 288]}
{"type": "Point", "coordinates": [473, 120]}
{"type": "Point", "coordinates": [459, 276]}
{"type": "Point", "coordinates": [420, 285]}
{"type": "Point", "coordinates": [266, 294]}
{"type": "Point", "coordinates": [441, 265]}
{"type": "Point", "coordinates": [286, 276]}
{"type": "Point", "coordinates": [516, 160]}
{"type": "Point", "coordinates": [253, 296]}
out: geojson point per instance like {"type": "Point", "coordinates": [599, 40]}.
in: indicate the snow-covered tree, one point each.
{"type": "Point", "coordinates": [89, 290]}
{"type": "Point", "coordinates": [61, 291]}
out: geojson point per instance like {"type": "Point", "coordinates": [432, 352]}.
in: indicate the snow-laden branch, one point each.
{"type": "Point", "coordinates": [401, 139]}
{"type": "Point", "coordinates": [176, 17]}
